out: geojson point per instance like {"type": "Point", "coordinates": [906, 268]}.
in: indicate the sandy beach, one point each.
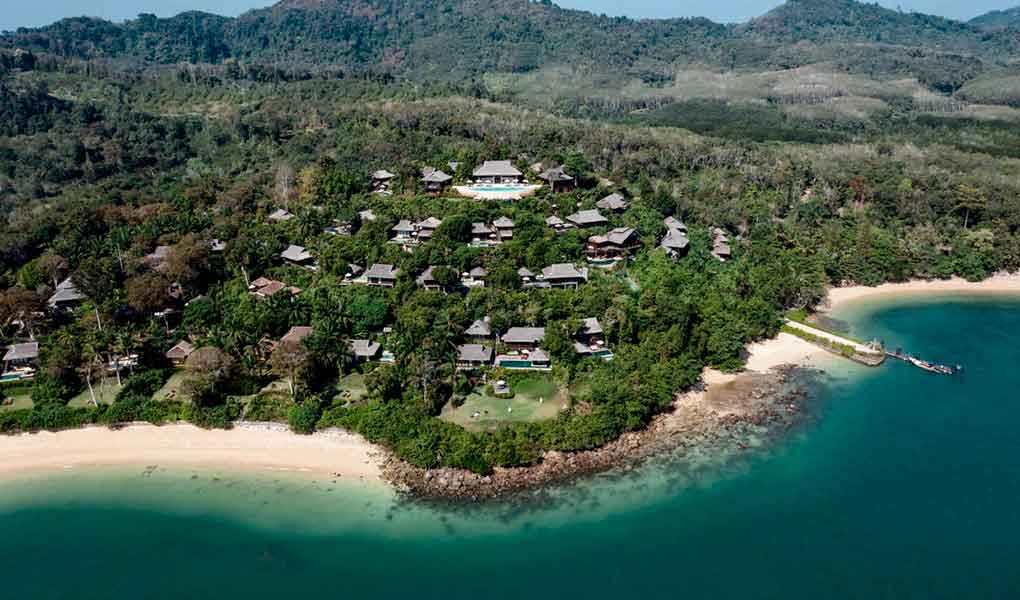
{"type": "Point", "coordinates": [255, 448]}
{"type": "Point", "coordinates": [999, 284]}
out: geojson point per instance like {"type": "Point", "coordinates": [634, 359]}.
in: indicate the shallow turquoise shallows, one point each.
{"type": "Point", "coordinates": [903, 485]}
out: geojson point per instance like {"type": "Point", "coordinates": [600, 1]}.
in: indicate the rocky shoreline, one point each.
{"type": "Point", "coordinates": [732, 415]}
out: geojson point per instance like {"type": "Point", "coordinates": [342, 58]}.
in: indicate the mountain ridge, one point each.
{"type": "Point", "coordinates": [463, 40]}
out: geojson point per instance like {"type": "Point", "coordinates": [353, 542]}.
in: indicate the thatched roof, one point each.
{"type": "Point", "coordinates": [497, 168]}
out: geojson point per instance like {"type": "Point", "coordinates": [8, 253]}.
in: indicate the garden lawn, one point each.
{"type": "Point", "coordinates": [105, 394]}
{"type": "Point", "coordinates": [535, 399]}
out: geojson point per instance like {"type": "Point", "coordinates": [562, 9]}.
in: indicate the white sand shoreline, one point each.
{"type": "Point", "coordinates": [1004, 283]}
{"type": "Point", "coordinates": [251, 448]}
{"type": "Point", "coordinates": [273, 448]}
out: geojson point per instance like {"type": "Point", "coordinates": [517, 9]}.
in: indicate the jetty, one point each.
{"type": "Point", "coordinates": [924, 365]}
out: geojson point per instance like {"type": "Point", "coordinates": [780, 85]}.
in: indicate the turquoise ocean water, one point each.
{"type": "Point", "coordinates": [902, 485]}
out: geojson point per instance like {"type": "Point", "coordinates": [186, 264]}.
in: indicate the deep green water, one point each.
{"type": "Point", "coordinates": [903, 485]}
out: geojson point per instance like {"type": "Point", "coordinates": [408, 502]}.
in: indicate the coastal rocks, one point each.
{"type": "Point", "coordinates": [739, 417]}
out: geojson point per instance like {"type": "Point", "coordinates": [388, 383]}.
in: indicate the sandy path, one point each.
{"type": "Point", "coordinates": [249, 448]}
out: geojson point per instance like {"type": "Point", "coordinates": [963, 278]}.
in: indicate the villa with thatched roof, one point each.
{"type": "Point", "coordinates": [180, 353]}
{"type": "Point", "coordinates": [497, 171]}
{"type": "Point", "coordinates": [473, 356]}
{"type": "Point", "coordinates": [280, 215]}
{"type": "Point", "coordinates": [588, 218]}
{"type": "Point", "coordinates": [299, 257]}
{"type": "Point", "coordinates": [382, 275]}
{"type": "Point", "coordinates": [721, 245]}
{"type": "Point", "coordinates": [564, 275]}
{"type": "Point", "coordinates": [66, 296]}
{"type": "Point", "coordinates": [617, 243]}
{"type": "Point", "coordinates": [437, 181]}
{"type": "Point", "coordinates": [558, 180]}
{"type": "Point", "coordinates": [613, 202]}
{"type": "Point", "coordinates": [381, 181]}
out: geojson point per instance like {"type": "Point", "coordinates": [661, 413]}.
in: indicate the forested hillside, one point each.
{"type": "Point", "coordinates": [998, 19]}
{"type": "Point", "coordinates": [164, 167]}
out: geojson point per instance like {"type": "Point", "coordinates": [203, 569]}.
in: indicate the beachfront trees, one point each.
{"type": "Point", "coordinates": [291, 360]}
{"type": "Point", "coordinates": [209, 370]}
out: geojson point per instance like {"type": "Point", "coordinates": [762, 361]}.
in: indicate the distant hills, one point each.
{"type": "Point", "coordinates": [463, 40]}
{"type": "Point", "coordinates": [998, 19]}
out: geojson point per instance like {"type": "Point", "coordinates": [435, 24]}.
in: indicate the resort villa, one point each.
{"type": "Point", "coordinates": [428, 281]}
{"type": "Point", "coordinates": [299, 257]}
{"type": "Point", "coordinates": [523, 338]}
{"type": "Point", "coordinates": [381, 275]}
{"type": "Point", "coordinates": [616, 244]}
{"type": "Point", "coordinates": [426, 228]}
{"type": "Point", "coordinates": [281, 215]}
{"type": "Point", "coordinates": [525, 352]}
{"type": "Point", "coordinates": [497, 180]}
{"type": "Point", "coordinates": [675, 242]}
{"type": "Point", "coordinates": [179, 353]}
{"type": "Point", "coordinates": [436, 181]}
{"type": "Point", "coordinates": [558, 180]}
{"type": "Point", "coordinates": [558, 224]}
{"type": "Point", "coordinates": [565, 275]}
{"type": "Point", "coordinates": [588, 218]}
{"type": "Point", "coordinates": [296, 335]}
{"type": "Point", "coordinates": [474, 278]}
{"type": "Point", "coordinates": [501, 230]}
{"type": "Point", "coordinates": [364, 350]}
{"type": "Point", "coordinates": [613, 202]}
{"type": "Point", "coordinates": [473, 356]}
{"type": "Point", "coordinates": [480, 332]}
{"type": "Point", "coordinates": [66, 296]}
{"type": "Point", "coordinates": [591, 340]}
{"type": "Point", "coordinates": [720, 245]}
{"type": "Point", "coordinates": [497, 172]}
{"type": "Point", "coordinates": [381, 181]}
{"type": "Point", "coordinates": [19, 361]}
{"type": "Point", "coordinates": [266, 288]}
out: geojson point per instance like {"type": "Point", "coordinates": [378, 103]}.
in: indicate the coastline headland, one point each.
{"type": "Point", "coordinates": [719, 411]}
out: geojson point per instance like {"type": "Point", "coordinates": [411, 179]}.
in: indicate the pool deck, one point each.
{"type": "Point", "coordinates": [479, 193]}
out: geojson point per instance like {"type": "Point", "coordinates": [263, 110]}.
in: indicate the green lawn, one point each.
{"type": "Point", "coordinates": [351, 388]}
{"type": "Point", "coordinates": [105, 394]}
{"type": "Point", "coordinates": [535, 399]}
{"type": "Point", "coordinates": [17, 402]}
{"type": "Point", "coordinates": [171, 390]}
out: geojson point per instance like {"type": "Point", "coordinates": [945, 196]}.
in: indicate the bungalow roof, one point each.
{"type": "Point", "coordinates": [524, 335]}
{"type": "Point", "coordinates": [474, 353]}
{"type": "Point", "coordinates": [383, 175]}
{"type": "Point", "coordinates": [479, 328]}
{"type": "Point", "coordinates": [404, 226]}
{"type": "Point", "coordinates": [364, 348]}
{"type": "Point", "coordinates": [296, 254]}
{"type": "Point", "coordinates": [429, 223]}
{"type": "Point", "coordinates": [675, 240]}
{"type": "Point", "coordinates": [382, 271]}
{"type": "Point", "coordinates": [565, 271]}
{"type": "Point", "coordinates": [555, 174]}
{"type": "Point", "coordinates": [497, 168]}
{"type": "Point", "coordinates": [23, 351]}
{"type": "Point", "coordinates": [585, 218]}
{"type": "Point", "coordinates": [618, 236]}
{"type": "Point", "coordinates": [591, 326]}
{"type": "Point", "coordinates": [504, 223]}
{"type": "Point", "coordinates": [281, 214]}
{"type": "Point", "coordinates": [437, 176]}
{"type": "Point", "coordinates": [181, 349]}
{"type": "Point", "coordinates": [66, 292]}
{"type": "Point", "coordinates": [613, 201]}
{"type": "Point", "coordinates": [296, 335]}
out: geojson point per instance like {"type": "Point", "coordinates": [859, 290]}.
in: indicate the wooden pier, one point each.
{"type": "Point", "coordinates": [923, 364]}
